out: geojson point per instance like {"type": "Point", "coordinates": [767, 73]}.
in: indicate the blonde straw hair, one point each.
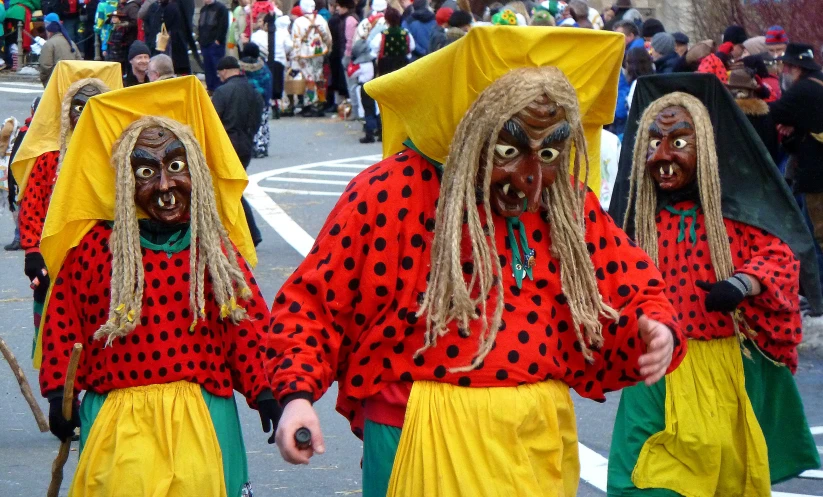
{"type": "Point", "coordinates": [210, 244]}
{"type": "Point", "coordinates": [448, 297]}
{"type": "Point", "coordinates": [642, 187]}
{"type": "Point", "coordinates": [65, 109]}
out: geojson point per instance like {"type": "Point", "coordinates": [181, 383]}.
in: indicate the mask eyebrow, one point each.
{"type": "Point", "coordinates": [517, 132]}
{"type": "Point", "coordinates": [174, 146]}
{"type": "Point", "coordinates": [655, 129]}
{"type": "Point", "coordinates": [141, 154]}
{"type": "Point", "coordinates": [681, 125]}
{"type": "Point", "coordinates": [561, 133]}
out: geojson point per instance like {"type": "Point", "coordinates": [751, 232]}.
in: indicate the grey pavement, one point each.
{"type": "Point", "coordinates": [26, 454]}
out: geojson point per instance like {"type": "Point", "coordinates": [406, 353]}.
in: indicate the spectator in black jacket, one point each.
{"type": "Point", "coordinates": [663, 53]}
{"type": "Point", "coordinates": [240, 108]}
{"type": "Point", "coordinates": [181, 38]}
{"type": "Point", "coordinates": [799, 115]}
{"type": "Point", "coordinates": [212, 29]}
{"type": "Point", "coordinates": [748, 94]}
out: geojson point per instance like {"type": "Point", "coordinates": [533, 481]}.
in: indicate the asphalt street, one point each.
{"type": "Point", "coordinates": [299, 199]}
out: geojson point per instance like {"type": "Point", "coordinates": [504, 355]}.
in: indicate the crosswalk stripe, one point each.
{"type": "Point", "coordinates": [307, 180]}
{"type": "Point", "coordinates": [19, 90]}
{"type": "Point", "coordinates": [346, 174]}
{"type": "Point", "coordinates": [30, 85]}
{"type": "Point", "coordinates": [300, 192]}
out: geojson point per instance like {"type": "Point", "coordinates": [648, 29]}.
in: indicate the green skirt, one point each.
{"type": "Point", "coordinates": [775, 400]}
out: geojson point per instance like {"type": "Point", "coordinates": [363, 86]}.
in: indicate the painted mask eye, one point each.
{"type": "Point", "coordinates": [144, 172]}
{"type": "Point", "coordinates": [680, 143]}
{"type": "Point", "coordinates": [177, 166]}
{"type": "Point", "coordinates": [506, 151]}
{"type": "Point", "coordinates": [654, 142]}
{"type": "Point", "coordinates": [547, 154]}
{"type": "Point", "coordinates": [78, 108]}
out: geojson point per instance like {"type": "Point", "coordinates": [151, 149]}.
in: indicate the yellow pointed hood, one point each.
{"type": "Point", "coordinates": [44, 133]}
{"type": "Point", "coordinates": [426, 100]}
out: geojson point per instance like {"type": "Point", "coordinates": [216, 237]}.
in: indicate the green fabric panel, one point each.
{"type": "Point", "coordinates": [779, 410]}
{"type": "Point", "coordinates": [379, 448]}
{"type": "Point", "coordinates": [431, 161]}
{"type": "Point", "coordinates": [38, 316]}
{"type": "Point", "coordinates": [226, 423]}
{"type": "Point", "coordinates": [640, 415]}
{"type": "Point", "coordinates": [776, 403]}
{"type": "Point", "coordinates": [89, 408]}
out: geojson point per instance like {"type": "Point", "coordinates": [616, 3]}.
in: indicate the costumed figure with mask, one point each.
{"type": "Point", "coordinates": [312, 41]}
{"type": "Point", "coordinates": [37, 162]}
{"type": "Point", "coordinates": [700, 194]}
{"type": "Point", "coordinates": [148, 231]}
{"type": "Point", "coordinates": [464, 285]}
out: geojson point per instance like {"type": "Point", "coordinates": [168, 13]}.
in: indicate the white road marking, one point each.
{"type": "Point", "coordinates": [5, 89]}
{"type": "Point", "coordinates": [30, 85]}
{"type": "Point", "coordinates": [812, 474]}
{"type": "Point", "coordinates": [308, 180]}
{"type": "Point", "coordinates": [347, 174]}
{"type": "Point", "coordinates": [593, 466]}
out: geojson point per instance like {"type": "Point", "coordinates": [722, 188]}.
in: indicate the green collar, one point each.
{"type": "Point", "coordinates": [684, 215]}
{"type": "Point", "coordinates": [162, 238]}
{"type": "Point", "coordinates": [431, 161]}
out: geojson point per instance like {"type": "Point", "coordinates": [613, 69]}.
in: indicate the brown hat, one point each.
{"type": "Point", "coordinates": [699, 51]}
{"type": "Point", "coordinates": [742, 78]}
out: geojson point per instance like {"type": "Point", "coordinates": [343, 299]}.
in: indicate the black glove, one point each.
{"type": "Point", "coordinates": [723, 296]}
{"type": "Point", "coordinates": [270, 412]}
{"type": "Point", "coordinates": [59, 426]}
{"type": "Point", "coordinates": [35, 267]}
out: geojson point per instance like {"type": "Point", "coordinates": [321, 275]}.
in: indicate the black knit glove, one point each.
{"type": "Point", "coordinates": [724, 296]}
{"type": "Point", "coordinates": [35, 267]}
{"type": "Point", "coordinates": [59, 426]}
{"type": "Point", "coordinates": [270, 411]}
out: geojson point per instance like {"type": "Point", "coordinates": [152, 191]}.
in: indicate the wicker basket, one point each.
{"type": "Point", "coordinates": [294, 86]}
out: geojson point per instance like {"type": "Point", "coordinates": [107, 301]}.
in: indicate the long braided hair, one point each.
{"type": "Point", "coordinates": [642, 187]}
{"type": "Point", "coordinates": [448, 298]}
{"type": "Point", "coordinates": [65, 109]}
{"type": "Point", "coordinates": [209, 239]}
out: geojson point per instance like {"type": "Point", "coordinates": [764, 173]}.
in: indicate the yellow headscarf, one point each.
{"type": "Point", "coordinates": [44, 133]}
{"type": "Point", "coordinates": [426, 100]}
{"type": "Point", "coordinates": [85, 190]}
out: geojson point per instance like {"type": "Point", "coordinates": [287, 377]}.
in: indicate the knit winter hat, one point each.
{"type": "Point", "coordinates": [138, 48]}
{"type": "Point", "coordinates": [250, 51]}
{"type": "Point", "coordinates": [307, 6]}
{"type": "Point", "coordinates": [295, 11]}
{"type": "Point", "coordinates": [756, 45]}
{"type": "Point", "coordinates": [735, 34]}
{"type": "Point", "coordinates": [443, 15]}
{"type": "Point", "coordinates": [379, 5]}
{"type": "Point", "coordinates": [651, 27]}
{"type": "Point", "coordinates": [776, 35]}
{"type": "Point", "coordinates": [420, 5]}
{"type": "Point", "coordinates": [50, 18]}
{"type": "Point", "coordinates": [460, 18]}
{"type": "Point", "coordinates": [53, 27]}
{"type": "Point", "coordinates": [663, 43]}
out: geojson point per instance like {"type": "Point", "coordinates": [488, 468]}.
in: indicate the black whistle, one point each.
{"type": "Point", "coordinates": [302, 438]}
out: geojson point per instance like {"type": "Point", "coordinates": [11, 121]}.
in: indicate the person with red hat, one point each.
{"type": "Point", "coordinates": [776, 41]}
{"type": "Point", "coordinates": [438, 36]}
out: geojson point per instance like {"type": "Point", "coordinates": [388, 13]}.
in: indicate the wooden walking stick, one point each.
{"type": "Point", "coordinates": [68, 401]}
{"type": "Point", "coordinates": [25, 388]}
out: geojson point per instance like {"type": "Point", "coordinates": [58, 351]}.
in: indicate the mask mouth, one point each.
{"type": "Point", "coordinates": [167, 201]}
{"type": "Point", "coordinates": [666, 174]}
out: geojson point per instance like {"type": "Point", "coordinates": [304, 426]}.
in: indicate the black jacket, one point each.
{"type": "Point", "coordinates": [213, 24]}
{"type": "Point", "coordinates": [170, 13]}
{"type": "Point", "coordinates": [757, 111]}
{"type": "Point", "coordinates": [240, 108]}
{"type": "Point", "coordinates": [667, 63]}
{"type": "Point", "coordinates": [802, 107]}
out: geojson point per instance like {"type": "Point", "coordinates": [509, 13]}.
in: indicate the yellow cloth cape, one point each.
{"type": "Point", "coordinates": [84, 193]}
{"type": "Point", "coordinates": [426, 100]}
{"type": "Point", "coordinates": [44, 133]}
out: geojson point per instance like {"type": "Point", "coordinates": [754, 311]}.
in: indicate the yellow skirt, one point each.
{"type": "Point", "coordinates": [475, 442]}
{"type": "Point", "coordinates": [151, 441]}
{"type": "Point", "coordinates": [712, 444]}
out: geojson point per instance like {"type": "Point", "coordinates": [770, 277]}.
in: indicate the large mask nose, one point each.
{"type": "Point", "coordinates": [529, 180]}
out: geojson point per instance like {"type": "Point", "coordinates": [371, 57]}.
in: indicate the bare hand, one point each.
{"type": "Point", "coordinates": [297, 414]}
{"type": "Point", "coordinates": [659, 348]}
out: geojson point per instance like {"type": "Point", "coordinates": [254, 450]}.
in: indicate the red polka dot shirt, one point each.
{"type": "Point", "coordinates": [774, 314]}
{"type": "Point", "coordinates": [218, 355]}
{"type": "Point", "coordinates": [35, 200]}
{"type": "Point", "coordinates": [348, 313]}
